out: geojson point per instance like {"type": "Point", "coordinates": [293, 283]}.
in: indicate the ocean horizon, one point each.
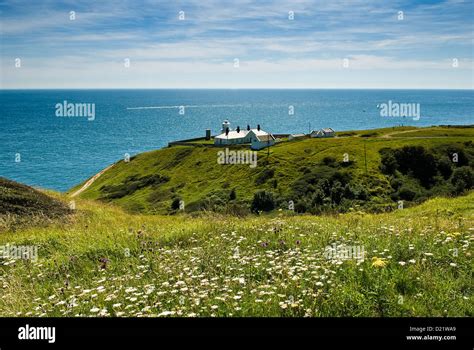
{"type": "Point", "coordinates": [42, 149]}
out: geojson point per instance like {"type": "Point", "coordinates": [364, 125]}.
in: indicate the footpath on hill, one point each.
{"type": "Point", "coordinates": [90, 181]}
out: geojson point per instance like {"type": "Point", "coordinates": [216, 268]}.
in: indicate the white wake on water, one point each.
{"type": "Point", "coordinates": [187, 106]}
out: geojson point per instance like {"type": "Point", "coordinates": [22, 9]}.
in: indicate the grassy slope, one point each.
{"type": "Point", "coordinates": [21, 204]}
{"type": "Point", "coordinates": [194, 173]}
{"type": "Point", "coordinates": [218, 265]}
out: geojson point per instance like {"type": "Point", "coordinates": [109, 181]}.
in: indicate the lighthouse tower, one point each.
{"type": "Point", "coordinates": [225, 125]}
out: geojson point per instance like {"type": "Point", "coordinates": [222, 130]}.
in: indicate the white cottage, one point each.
{"type": "Point", "coordinates": [256, 137]}
{"type": "Point", "coordinates": [296, 136]}
{"type": "Point", "coordinates": [261, 139]}
{"type": "Point", "coordinates": [233, 137]}
{"type": "Point", "coordinates": [326, 132]}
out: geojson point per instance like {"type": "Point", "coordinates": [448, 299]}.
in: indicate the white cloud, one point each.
{"type": "Point", "coordinates": [90, 51]}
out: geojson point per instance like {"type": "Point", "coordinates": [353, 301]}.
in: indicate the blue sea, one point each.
{"type": "Point", "coordinates": [42, 149]}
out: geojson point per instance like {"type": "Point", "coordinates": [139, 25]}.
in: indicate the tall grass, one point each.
{"type": "Point", "coordinates": [105, 262]}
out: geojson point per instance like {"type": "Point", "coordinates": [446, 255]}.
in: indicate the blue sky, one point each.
{"type": "Point", "coordinates": [273, 51]}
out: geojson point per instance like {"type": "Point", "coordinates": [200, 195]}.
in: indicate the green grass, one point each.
{"type": "Point", "coordinates": [203, 141]}
{"type": "Point", "coordinates": [112, 263]}
{"type": "Point", "coordinates": [439, 132]}
{"type": "Point", "coordinates": [379, 132]}
{"type": "Point", "coordinates": [194, 175]}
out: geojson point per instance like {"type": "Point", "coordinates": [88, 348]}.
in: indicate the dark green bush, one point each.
{"type": "Point", "coordinates": [329, 161]}
{"type": "Point", "coordinates": [462, 179]}
{"type": "Point", "coordinates": [262, 201]}
{"type": "Point", "coordinates": [337, 192]}
{"type": "Point", "coordinates": [457, 152]}
{"type": "Point", "coordinates": [301, 206]}
{"type": "Point", "coordinates": [369, 134]}
{"type": "Point", "coordinates": [444, 168]}
{"type": "Point", "coordinates": [406, 193]}
{"type": "Point", "coordinates": [396, 183]}
{"type": "Point", "coordinates": [264, 176]}
{"type": "Point", "coordinates": [388, 162]}
{"type": "Point", "coordinates": [418, 161]}
{"type": "Point", "coordinates": [175, 203]}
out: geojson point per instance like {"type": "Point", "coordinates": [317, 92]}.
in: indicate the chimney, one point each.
{"type": "Point", "coordinates": [248, 127]}
{"type": "Point", "coordinates": [226, 131]}
{"type": "Point", "coordinates": [258, 127]}
{"type": "Point", "coordinates": [238, 129]}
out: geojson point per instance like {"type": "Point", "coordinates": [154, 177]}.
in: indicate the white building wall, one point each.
{"type": "Point", "coordinates": [256, 145]}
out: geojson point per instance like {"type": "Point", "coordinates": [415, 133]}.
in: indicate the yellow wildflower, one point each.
{"type": "Point", "coordinates": [378, 262]}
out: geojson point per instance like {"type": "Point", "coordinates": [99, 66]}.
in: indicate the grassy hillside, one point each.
{"type": "Point", "coordinates": [106, 262]}
{"type": "Point", "coordinates": [21, 204]}
{"type": "Point", "coordinates": [151, 181]}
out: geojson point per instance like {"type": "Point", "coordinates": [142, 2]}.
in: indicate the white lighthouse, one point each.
{"type": "Point", "coordinates": [225, 125]}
